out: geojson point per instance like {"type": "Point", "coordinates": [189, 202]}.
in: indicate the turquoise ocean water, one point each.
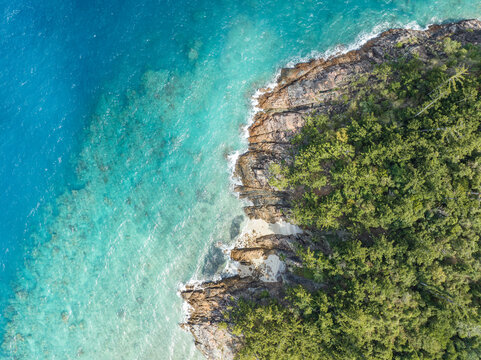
{"type": "Point", "coordinates": [118, 119]}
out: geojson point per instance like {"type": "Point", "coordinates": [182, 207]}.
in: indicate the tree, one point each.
{"type": "Point", "coordinates": [397, 173]}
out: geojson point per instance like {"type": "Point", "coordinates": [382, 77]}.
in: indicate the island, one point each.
{"type": "Point", "coordinates": [363, 182]}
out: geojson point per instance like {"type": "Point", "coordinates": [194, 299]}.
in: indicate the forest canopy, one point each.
{"type": "Point", "coordinates": [390, 187]}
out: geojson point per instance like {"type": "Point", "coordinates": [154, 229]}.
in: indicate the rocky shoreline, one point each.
{"type": "Point", "coordinates": [264, 254]}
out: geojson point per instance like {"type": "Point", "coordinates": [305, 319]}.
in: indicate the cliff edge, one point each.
{"type": "Point", "coordinates": [265, 253]}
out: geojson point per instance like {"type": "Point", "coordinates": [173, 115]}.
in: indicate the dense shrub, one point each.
{"type": "Point", "coordinates": [397, 176]}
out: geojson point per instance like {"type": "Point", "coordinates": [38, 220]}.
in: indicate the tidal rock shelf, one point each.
{"type": "Point", "coordinates": [264, 256]}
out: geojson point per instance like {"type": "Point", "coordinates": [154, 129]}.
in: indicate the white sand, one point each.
{"type": "Point", "coordinates": [269, 269]}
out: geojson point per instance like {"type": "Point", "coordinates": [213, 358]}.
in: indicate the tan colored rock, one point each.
{"type": "Point", "coordinates": [308, 87]}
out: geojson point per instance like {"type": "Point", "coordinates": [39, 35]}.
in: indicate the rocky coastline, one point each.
{"type": "Point", "coordinates": [264, 255]}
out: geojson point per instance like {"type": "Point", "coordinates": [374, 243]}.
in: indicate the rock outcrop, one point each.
{"type": "Point", "coordinates": [310, 87]}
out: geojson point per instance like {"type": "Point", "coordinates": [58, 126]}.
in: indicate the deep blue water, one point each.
{"type": "Point", "coordinates": [117, 119]}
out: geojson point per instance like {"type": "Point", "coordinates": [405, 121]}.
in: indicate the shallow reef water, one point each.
{"type": "Point", "coordinates": [144, 193]}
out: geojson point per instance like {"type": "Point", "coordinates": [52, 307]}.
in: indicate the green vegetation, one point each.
{"type": "Point", "coordinates": [396, 175]}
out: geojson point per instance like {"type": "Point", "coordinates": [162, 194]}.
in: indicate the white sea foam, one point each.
{"type": "Point", "coordinates": [271, 267]}
{"type": "Point", "coordinates": [186, 310]}
{"type": "Point", "coordinates": [258, 227]}
{"type": "Point", "coordinates": [361, 39]}
{"type": "Point", "coordinates": [331, 52]}
{"type": "Point", "coordinates": [231, 162]}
